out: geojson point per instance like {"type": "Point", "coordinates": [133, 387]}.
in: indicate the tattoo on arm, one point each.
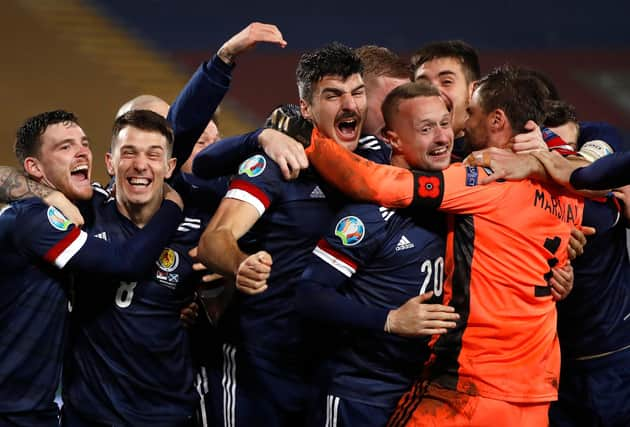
{"type": "Point", "coordinates": [15, 186]}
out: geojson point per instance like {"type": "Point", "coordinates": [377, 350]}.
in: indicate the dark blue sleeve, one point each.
{"type": "Point", "coordinates": [196, 103]}
{"type": "Point", "coordinates": [608, 172]}
{"type": "Point", "coordinates": [335, 259]}
{"type": "Point", "coordinates": [590, 131]}
{"type": "Point", "coordinates": [223, 157]}
{"type": "Point", "coordinates": [317, 298]}
{"type": "Point", "coordinates": [132, 259]}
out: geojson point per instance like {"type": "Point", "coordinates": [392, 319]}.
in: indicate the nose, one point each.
{"type": "Point", "coordinates": [84, 150]}
{"type": "Point", "coordinates": [140, 162]}
{"type": "Point", "coordinates": [348, 102]}
{"type": "Point", "coordinates": [443, 135]}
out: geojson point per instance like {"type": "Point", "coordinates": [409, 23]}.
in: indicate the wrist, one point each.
{"type": "Point", "coordinates": [225, 55]}
{"type": "Point", "coordinates": [388, 322]}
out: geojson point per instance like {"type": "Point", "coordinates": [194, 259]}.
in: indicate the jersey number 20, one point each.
{"type": "Point", "coordinates": [434, 271]}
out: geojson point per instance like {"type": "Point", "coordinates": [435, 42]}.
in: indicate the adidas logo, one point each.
{"type": "Point", "coordinates": [317, 193]}
{"type": "Point", "coordinates": [102, 236]}
{"type": "Point", "coordinates": [189, 224]}
{"type": "Point", "coordinates": [403, 244]}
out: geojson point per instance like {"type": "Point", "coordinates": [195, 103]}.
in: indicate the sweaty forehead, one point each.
{"type": "Point", "coordinates": [434, 67]}
{"type": "Point", "coordinates": [142, 139]}
{"type": "Point", "coordinates": [337, 81]}
{"type": "Point", "coordinates": [62, 131]}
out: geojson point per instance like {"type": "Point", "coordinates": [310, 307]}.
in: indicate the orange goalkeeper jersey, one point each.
{"type": "Point", "coordinates": [501, 247]}
{"type": "Point", "coordinates": [502, 243]}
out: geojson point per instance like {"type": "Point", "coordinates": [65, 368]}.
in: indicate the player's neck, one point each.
{"type": "Point", "coordinates": [139, 214]}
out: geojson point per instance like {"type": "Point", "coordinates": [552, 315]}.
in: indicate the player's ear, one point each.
{"type": "Point", "coordinates": [393, 139]}
{"type": "Point", "coordinates": [109, 163]}
{"type": "Point", "coordinates": [170, 167]}
{"type": "Point", "coordinates": [497, 119]}
{"type": "Point", "coordinates": [33, 167]}
{"type": "Point", "coordinates": [305, 109]}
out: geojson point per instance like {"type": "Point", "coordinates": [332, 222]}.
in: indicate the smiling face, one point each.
{"type": "Point", "coordinates": [448, 75]}
{"type": "Point", "coordinates": [338, 108]}
{"type": "Point", "coordinates": [64, 161]}
{"type": "Point", "coordinates": [421, 135]}
{"type": "Point", "coordinates": [141, 162]}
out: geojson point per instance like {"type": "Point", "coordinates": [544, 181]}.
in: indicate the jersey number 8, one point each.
{"type": "Point", "coordinates": [124, 294]}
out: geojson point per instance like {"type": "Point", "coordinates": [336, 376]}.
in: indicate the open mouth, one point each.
{"type": "Point", "coordinates": [80, 172]}
{"type": "Point", "coordinates": [347, 128]}
{"type": "Point", "coordinates": [439, 151]}
{"type": "Point", "coordinates": [139, 182]}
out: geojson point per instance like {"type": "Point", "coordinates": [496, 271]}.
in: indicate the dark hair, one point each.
{"type": "Point", "coordinates": [379, 61]}
{"type": "Point", "coordinates": [514, 91]}
{"type": "Point", "coordinates": [405, 91]}
{"type": "Point", "coordinates": [457, 49]}
{"type": "Point", "coordinates": [559, 113]}
{"type": "Point", "coordinates": [144, 120]}
{"type": "Point", "coordinates": [27, 140]}
{"type": "Point", "coordinates": [551, 91]}
{"type": "Point", "coordinates": [333, 59]}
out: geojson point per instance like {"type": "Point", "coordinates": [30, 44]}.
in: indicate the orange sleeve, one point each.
{"type": "Point", "coordinates": [360, 178]}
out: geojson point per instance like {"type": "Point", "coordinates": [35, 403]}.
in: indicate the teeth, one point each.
{"type": "Point", "coordinates": [438, 151]}
{"type": "Point", "coordinates": [80, 168]}
{"type": "Point", "coordinates": [139, 181]}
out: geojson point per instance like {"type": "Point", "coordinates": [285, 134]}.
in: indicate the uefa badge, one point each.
{"type": "Point", "coordinates": [168, 260]}
{"type": "Point", "coordinates": [350, 230]}
{"type": "Point", "coordinates": [253, 166]}
{"type": "Point", "coordinates": [57, 219]}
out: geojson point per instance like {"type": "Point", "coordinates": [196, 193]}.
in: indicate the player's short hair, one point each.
{"type": "Point", "coordinates": [403, 92]}
{"type": "Point", "coordinates": [379, 61]}
{"type": "Point", "coordinates": [145, 120]}
{"type": "Point", "coordinates": [458, 49]}
{"type": "Point", "coordinates": [27, 140]}
{"type": "Point", "coordinates": [334, 59]}
{"type": "Point", "coordinates": [551, 91]}
{"type": "Point", "coordinates": [514, 91]}
{"type": "Point", "coordinates": [558, 113]}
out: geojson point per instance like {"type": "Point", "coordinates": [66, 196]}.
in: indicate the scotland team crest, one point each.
{"type": "Point", "coordinates": [57, 219]}
{"type": "Point", "coordinates": [350, 230]}
{"type": "Point", "coordinates": [253, 166]}
{"type": "Point", "coordinates": [168, 260]}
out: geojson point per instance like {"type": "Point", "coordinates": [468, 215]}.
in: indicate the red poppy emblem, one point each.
{"type": "Point", "coordinates": [429, 187]}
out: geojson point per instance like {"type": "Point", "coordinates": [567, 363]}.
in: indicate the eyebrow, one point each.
{"type": "Point", "coordinates": [446, 72]}
{"type": "Point", "coordinates": [66, 140]}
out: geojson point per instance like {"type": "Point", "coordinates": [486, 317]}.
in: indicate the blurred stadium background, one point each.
{"type": "Point", "coordinates": [89, 56]}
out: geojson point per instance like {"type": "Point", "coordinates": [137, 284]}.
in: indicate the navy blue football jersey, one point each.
{"type": "Point", "coordinates": [39, 245]}
{"type": "Point", "coordinates": [378, 258]}
{"type": "Point", "coordinates": [129, 357]}
{"type": "Point", "coordinates": [294, 215]}
{"type": "Point", "coordinates": [594, 318]}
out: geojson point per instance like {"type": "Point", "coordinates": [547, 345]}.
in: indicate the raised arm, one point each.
{"type": "Point", "coordinates": [193, 109]}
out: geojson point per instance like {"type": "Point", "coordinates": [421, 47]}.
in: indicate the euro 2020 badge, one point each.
{"type": "Point", "coordinates": [57, 219]}
{"type": "Point", "coordinates": [350, 230]}
{"type": "Point", "coordinates": [253, 166]}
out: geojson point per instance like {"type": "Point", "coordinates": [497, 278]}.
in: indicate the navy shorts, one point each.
{"type": "Point", "coordinates": [593, 392]}
{"type": "Point", "coordinates": [335, 411]}
{"type": "Point", "coordinates": [245, 391]}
